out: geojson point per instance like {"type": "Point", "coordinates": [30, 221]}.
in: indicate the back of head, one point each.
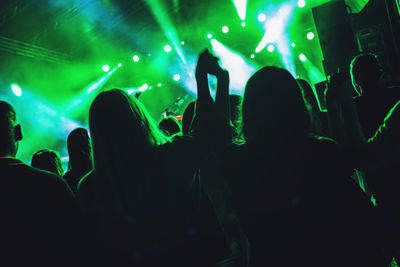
{"type": "Point", "coordinates": [273, 108]}
{"type": "Point", "coordinates": [365, 72]}
{"type": "Point", "coordinates": [48, 160]}
{"type": "Point", "coordinates": [188, 117]}
{"type": "Point", "coordinates": [170, 126]}
{"type": "Point", "coordinates": [8, 134]}
{"type": "Point", "coordinates": [79, 149]}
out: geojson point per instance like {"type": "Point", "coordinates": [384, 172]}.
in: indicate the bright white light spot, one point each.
{"type": "Point", "coordinates": [310, 35]}
{"type": "Point", "coordinates": [190, 74]}
{"type": "Point", "coordinates": [16, 89]}
{"type": "Point", "coordinates": [301, 3]}
{"type": "Point", "coordinates": [136, 58]}
{"type": "Point", "coordinates": [293, 45]}
{"type": "Point", "coordinates": [261, 17]}
{"type": "Point", "coordinates": [209, 36]}
{"type": "Point", "coordinates": [105, 68]}
{"type": "Point", "coordinates": [302, 57]}
{"type": "Point", "coordinates": [271, 48]}
{"type": "Point", "coordinates": [182, 43]}
{"type": "Point", "coordinates": [167, 48]}
{"type": "Point", "coordinates": [119, 65]}
{"type": "Point", "coordinates": [225, 29]}
{"type": "Point", "coordinates": [241, 6]}
{"type": "Point", "coordinates": [177, 77]}
{"type": "Point", "coordinates": [252, 56]}
{"type": "Point", "coordinates": [159, 85]}
{"type": "Point", "coordinates": [243, 24]}
{"type": "Point", "coordinates": [145, 86]}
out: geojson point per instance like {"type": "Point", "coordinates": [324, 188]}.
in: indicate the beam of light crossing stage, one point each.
{"type": "Point", "coordinates": [241, 6]}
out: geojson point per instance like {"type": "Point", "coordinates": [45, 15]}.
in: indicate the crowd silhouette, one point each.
{"type": "Point", "coordinates": [264, 179]}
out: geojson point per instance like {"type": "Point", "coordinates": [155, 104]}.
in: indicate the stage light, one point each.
{"type": "Point", "coordinates": [310, 35]}
{"type": "Point", "coordinates": [119, 65]}
{"type": "Point", "coordinates": [145, 87]}
{"type": "Point", "coordinates": [261, 17]}
{"type": "Point", "coordinates": [105, 68]}
{"type": "Point", "coordinates": [241, 6]}
{"type": "Point", "coordinates": [16, 89]}
{"type": "Point", "coordinates": [271, 48]}
{"type": "Point", "coordinates": [182, 43]}
{"type": "Point", "coordinates": [190, 74]}
{"type": "Point", "coordinates": [167, 48]}
{"type": "Point", "coordinates": [136, 58]}
{"type": "Point", "coordinates": [177, 77]}
{"type": "Point", "coordinates": [159, 85]}
{"type": "Point", "coordinates": [301, 3]}
{"type": "Point", "coordinates": [293, 45]}
{"type": "Point", "coordinates": [302, 57]}
{"type": "Point", "coordinates": [225, 29]}
{"type": "Point", "coordinates": [252, 56]}
{"type": "Point", "coordinates": [243, 24]}
{"type": "Point", "coordinates": [209, 36]}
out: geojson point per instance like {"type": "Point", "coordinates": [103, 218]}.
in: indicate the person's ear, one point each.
{"type": "Point", "coordinates": [18, 133]}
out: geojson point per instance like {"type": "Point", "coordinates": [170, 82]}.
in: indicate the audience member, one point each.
{"type": "Point", "coordinates": [80, 157]}
{"type": "Point", "coordinates": [48, 160]}
{"type": "Point", "coordinates": [188, 117]}
{"type": "Point", "coordinates": [170, 126]}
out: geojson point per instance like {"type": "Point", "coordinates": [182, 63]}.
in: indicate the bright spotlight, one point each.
{"type": "Point", "coordinates": [261, 17]}
{"type": "Point", "coordinates": [190, 74]}
{"type": "Point", "coordinates": [302, 57]}
{"type": "Point", "coordinates": [271, 48]}
{"type": "Point", "coordinates": [177, 77]}
{"type": "Point", "coordinates": [167, 48]}
{"type": "Point", "coordinates": [136, 58]}
{"type": "Point", "coordinates": [301, 3]}
{"type": "Point", "coordinates": [182, 43]}
{"type": "Point", "coordinates": [119, 65]}
{"type": "Point", "coordinates": [241, 6]}
{"type": "Point", "coordinates": [252, 56]}
{"type": "Point", "coordinates": [145, 87]}
{"type": "Point", "coordinates": [16, 89]}
{"type": "Point", "coordinates": [293, 45]}
{"type": "Point", "coordinates": [105, 68]}
{"type": "Point", "coordinates": [225, 29]}
{"type": "Point", "coordinates": [159, 85]}
{"type": "Point", "coordinates": [243, 24]}
{"type": "Point", "coordinates": [209, 36]}
{"type": "Point", "coordinates": [310, 35]}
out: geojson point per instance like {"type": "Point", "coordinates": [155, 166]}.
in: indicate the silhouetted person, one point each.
{"type": "Point", "coordinates": [319, 120]}
{"type": "Point", "coordinates": [39, 213]}
{"type": "Point", "coordinates": [80, 157]}
{"type": "Point", "coordinates": [188, 117]}
{"type": "Point", "coordinates": [375, 100]}
{"type": "Point", "coordinates": [235, 102]}
{"type": "Point", "coordinates": [170, 126]}
{"type": "Point", "coordinates": [48, 160]}
{"type": "Point", "coordinates": [286, 184]}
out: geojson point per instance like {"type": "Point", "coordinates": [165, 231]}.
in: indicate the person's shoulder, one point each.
{"type": "Point", "coordinates": [322, 146]}
{"type": "Point", "coordinates": [85, 181]}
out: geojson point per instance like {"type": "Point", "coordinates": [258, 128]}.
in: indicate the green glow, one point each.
{"type": "Point", "coordinates": [252, 56]}
{"type": "Point", "coordinates": [241, 6]}
{"type": "Point", "coordinates": [310, 35]}
{"type": "Point", "coordinates": [119, 65]}
{"type": "Point", "coordinates": [136, 58]}
{"type": "Point", "coordinates": [225, 29]}
{"type": "Point", "coordinates": [209, 36]}
{"type": "Point", "coordinates": [301, 3]}
{"type": "Point", "coordinates": [182, 43]}
{"type": "Point", "coordinates": [16, 89]}
{"type": "Point", "coordinates": [105, 68]}
{"type": "Point", "coordinates": [293, 45]}
{"type": "Point", "coordinates": [243, 24]}
{"type": "Point", "coordinates": [271, 48]}
{"type": "Point", "coordinates": [261, 17]}
{"type": "Point", "coordinates": [302, 57]}
{"type": "Point", "coordinates": [159, 85]}
{"type": "Point", "coordinates": [177, 77]}
{"type": "Point", "coordinates": [167, 48]}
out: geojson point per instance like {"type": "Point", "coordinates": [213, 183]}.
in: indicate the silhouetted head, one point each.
{"type": "Point", "coordinates": [170, 126]}
{"type": "Point", "coordinates": [308, 95]}
{"type": "Point", "coordinates": [79, 149]}
{"type": "Point", "coordinates": [365, 72]}
{"type": "Point", "coordinates": [188, 117]}
{"type": "Point", "coordinates": [273, 108]}
{"type": "Point", "coordinates": [48, 160]}
{"type": "Point", "coordinates": [121, 130]}
{"type": "Point", "coordinates": [10, 131]}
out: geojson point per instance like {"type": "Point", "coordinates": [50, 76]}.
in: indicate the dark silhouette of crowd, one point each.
{"type": "Point", "coordinates": [263, 179]}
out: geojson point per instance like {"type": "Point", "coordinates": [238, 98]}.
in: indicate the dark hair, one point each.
{"type": "Point", "coordinates": [170, 126]}
{"type": "Point", "coordinates": [273, 107]}
{"type": "Point", "coordinates": [365, 70]}
{"type": "Point", "coordinates": [79, 149]}
{"type": "Point", "coordinates": [8, 121]}
{"type": "Point", "coordinates": [124, 137]}
{"type": "Point", "coordinates": [48, 160]}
